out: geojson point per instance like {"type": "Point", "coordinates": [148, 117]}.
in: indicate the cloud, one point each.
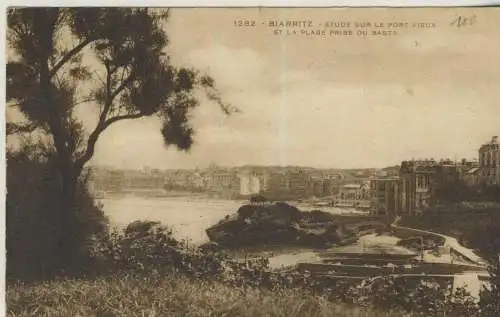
{"type": "Point", "coordinates": [369, 109]}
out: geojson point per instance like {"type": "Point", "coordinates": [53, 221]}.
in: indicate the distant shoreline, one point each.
{"type": "Point", "coordinates": [157, 194]}
{"type": "Point", "coordinates": [303, 205]}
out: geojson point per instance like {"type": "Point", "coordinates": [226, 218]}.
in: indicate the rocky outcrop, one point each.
{"type": "Point", "coordinates": [277, 224]}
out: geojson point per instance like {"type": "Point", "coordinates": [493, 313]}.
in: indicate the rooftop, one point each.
{"type": "Point", "coordinates": [492, 143]}
{"type": "Point", "coordinates": [473, 170]}
{"type": "Point", "coordinates": [385, 178]}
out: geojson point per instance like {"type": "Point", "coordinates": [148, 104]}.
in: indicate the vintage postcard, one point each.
{"type": "Point", "coordinates": [253, 161]}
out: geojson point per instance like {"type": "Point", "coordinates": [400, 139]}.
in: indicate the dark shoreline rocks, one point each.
{"type": "Point", "coordinates": [279, 224]}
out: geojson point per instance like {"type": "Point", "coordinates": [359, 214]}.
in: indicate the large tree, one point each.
{"type": "Point", "coordinates": [130, 77]}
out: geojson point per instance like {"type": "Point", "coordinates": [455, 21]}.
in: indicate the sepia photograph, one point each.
{"type": "Point", "coordinates": [252, 161]}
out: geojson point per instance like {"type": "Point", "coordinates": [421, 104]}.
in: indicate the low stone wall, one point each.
{"type": "Point", "coordinates": [444, 246]}
{"type": "Point", "coordinates": [377, 270]}
{"type": "Point", "coordinates": [404, 233]}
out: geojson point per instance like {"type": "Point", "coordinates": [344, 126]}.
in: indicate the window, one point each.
{"type": "Point", "coordinates": [422, 181]}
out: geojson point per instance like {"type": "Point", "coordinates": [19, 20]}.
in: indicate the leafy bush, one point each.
{"type": "Point", "coordinates": [424, 298]}
{"type": "Point", "coordinates": [148, 246]}
{"type": "Point", "coordinates": [490, 296]}
{"type": "Point", "coordinates": [141, 246]}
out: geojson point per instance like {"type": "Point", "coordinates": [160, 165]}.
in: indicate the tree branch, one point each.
{"type": "Point", "coordinates": [123, 85]}
{"type": "Point", "coordinates": [99, 77]}
{"type": "Point", "coordinates": [108, 101]}
{"type": "Point", "coordinates": [123, 73]}
{"type": "Point", "coordinates": [123, 117]}
{"type": "Point", "coordinates": [84, 101]}
{"type": "Point", "coordinates": [75, 50]}
{"type": "Point", "coordinates": [13, 128]}
{"type": "Point", "coordinates": [94, 136]}
{"type": "Point", "coordinates": [104, 123]}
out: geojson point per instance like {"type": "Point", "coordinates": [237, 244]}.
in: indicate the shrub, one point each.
{"type": "Point", "coordinates": [147, 246]}
{"type": "Point", "coordinates": [33, 223]}
{"type": "Point", "coordinates": [142, 245]}
{"type": "Point", "coordinates": [490, 296]}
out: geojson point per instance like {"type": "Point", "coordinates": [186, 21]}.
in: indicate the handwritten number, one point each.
{"type": "Point", "coordinates": [462, 21]}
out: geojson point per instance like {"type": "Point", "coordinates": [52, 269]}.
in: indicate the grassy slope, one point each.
{"type": "Point", "coordinates": [164, 296]}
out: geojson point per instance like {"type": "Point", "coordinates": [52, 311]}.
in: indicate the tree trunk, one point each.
{"type": "Point", "coordinates": [67, 243]}
{"type": "Point", "coordinates": [65, 167]}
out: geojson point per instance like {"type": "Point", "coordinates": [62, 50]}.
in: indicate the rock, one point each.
{"type": "Point", "coordinates": [319, 235]}
{"type": "Point", "coordinates": [279, 213]}
{"type": "Point", "coordinates": [280, 223]}
{"type": "Point", "coordinates": [317, 216]}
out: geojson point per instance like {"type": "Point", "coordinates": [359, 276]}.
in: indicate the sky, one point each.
{"type": "Point", "coordinates": [327, 101]}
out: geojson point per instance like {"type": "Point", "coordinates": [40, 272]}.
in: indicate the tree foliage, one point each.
{"type": "Point", "coordinates": [132, 78]}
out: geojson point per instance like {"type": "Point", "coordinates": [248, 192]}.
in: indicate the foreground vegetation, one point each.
{"type": "Point", "coordinates": [144, 271]}
{"type": "Point", "coordinates": [166, 295]}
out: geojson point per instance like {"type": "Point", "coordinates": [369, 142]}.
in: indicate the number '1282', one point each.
{"type": "Point", "coordinates": [244, 23]}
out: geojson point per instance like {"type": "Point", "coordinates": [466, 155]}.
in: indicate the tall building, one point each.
{"type": "Point", "coordinates": [250, 184]}
{"type": "Point", "coordinates": [427, 183]}
{"type": "Point", "coordinates": [385, 196]}
{"type": "Point", "coordinates": [418, 179]}
{"type": "Point", "coordinates": [489, 162]}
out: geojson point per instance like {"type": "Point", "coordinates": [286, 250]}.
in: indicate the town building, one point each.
{"type": "Point", "coordinates": [276, 185]}
{"type": "Point", "coordinates": [146, 179]}
{"type": "Point", "coordinates": [223, 182]}
{"type": "Point", "coordinates": [472, 177]}
{"type": "Point", "coordinates": [353, 196]}
{"type": "Point", "coordinates": [427, 183]}
{"type": "Point", "coordinates": [253, 180]}
{"type": "Point", "coordinates": [299, 183]}
{"type": "Point", "coordinates": [489, 162]}
{"type": "Point", "coordinates": [324, 185]}
{"type": "Point", "coordinates": [418, 178]}
{"type": "Point", "coordinates": [288, 184]}
{"type": "Point", "coordinates": [250, 184]}
{"type": "Point", "coordinates": [385, 195]}
{"type": "Point", "coordinates": [184, 180]}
